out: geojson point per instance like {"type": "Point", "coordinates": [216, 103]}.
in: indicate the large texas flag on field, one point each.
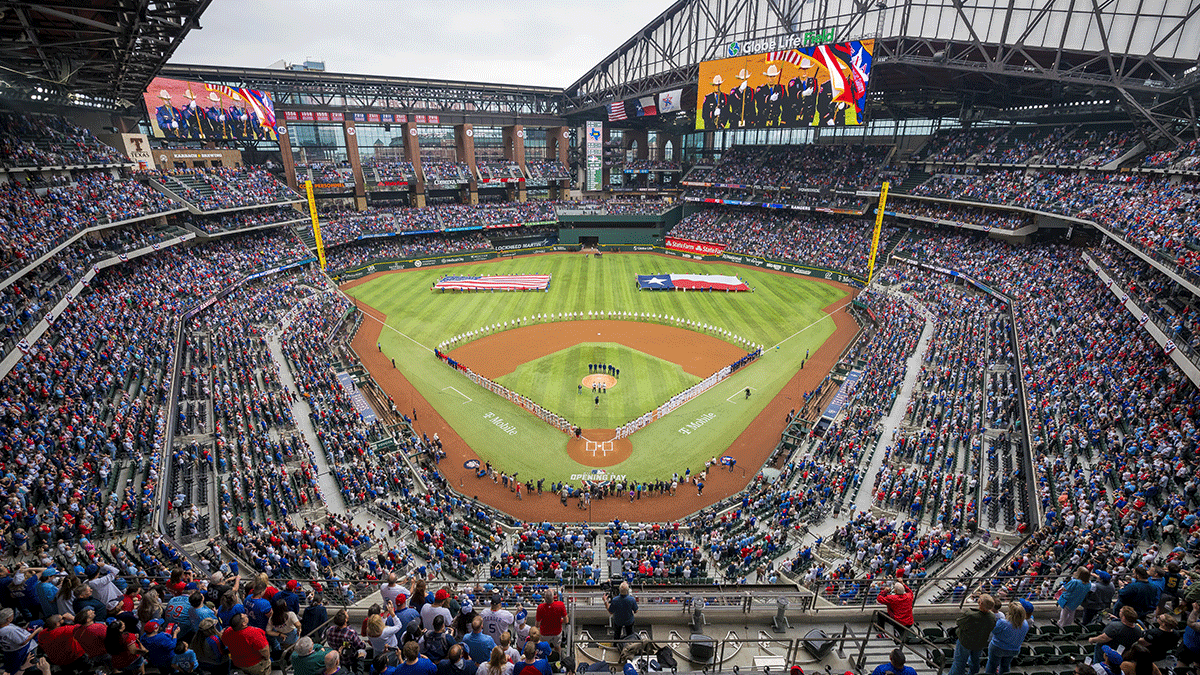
{"type": "Point", "coordinates": [690, 282]}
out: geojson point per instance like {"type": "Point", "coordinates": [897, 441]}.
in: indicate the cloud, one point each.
{"type": "Point", "coordinates": [536, 42]}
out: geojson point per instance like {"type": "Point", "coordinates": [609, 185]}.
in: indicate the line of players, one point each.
{"type": "Point", "coordinates": [215, 121]}
{"type": "Point", "coordinates": [603, 368]}
{"type": "Point", "coordinates": [798, 102]}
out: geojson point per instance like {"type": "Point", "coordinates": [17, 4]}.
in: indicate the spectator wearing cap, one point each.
{"type": "Point", "coordinates": [308, 658]}
{"type": "Point", "coordinates": [895, 665]}
{"type": "Point", "coordinates": [496, 619]}
{"type": "Point", "coordinates": [436, 608]}
{"type": "Point", "coordinates": [550, 617]}
{"type": "Point", "coordinates": [406, 613]}
{"type": "Point", "coordinates": [290, 595]}
{"type": "Point", "coordinates": [46, 592]}
{"type": "Point", "coordinates": [58, 642]}
{"type": "Point", "coordinates": [1119, 634]}
{"type": "Point", "coordinates": [210, 651]}
{"type": "Point", "coordinates": [103, 579]}
{"type": "Point", "coordinates": [458, 662]}
{"type": "Point", "coordinates": [479, 645]}
{"type": "Point", "coordinates": [1099, 598]}
{"type": "Point", "coordinates": [248, 647]}
{"type": "Point", "coordinates": [160, 645]}
{"type": "Point", "coordinates": [1007, 637]}
{"type": "Point", "coordinates": [520, 630]}
{"type": "Point", "coordinates": [974, 631]}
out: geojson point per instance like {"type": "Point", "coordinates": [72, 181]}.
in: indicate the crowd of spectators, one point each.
{"type": "Point", "coordinates": [995, 219]}
{"type": "Point", "coordinates": [801, 167]}
{"type": "Point", "coordinates": [543, 170]}
{"type": "Point", "coordinates": [812, 238]}
{"type": "Point", "coordinates": [1023, 144]}
{"type": "Point", "coordinates": [241, 220]}
{"type": "Point", "coordinates": [35, 217]}
{"type": "Point", "coordinates": [651, 165]}
{"type": "Point", "coordinates": [616, 207]}
{"type": "Point", "coordinates": [226, 187]}
{"type": "Point", "coordinates": [445, 171]}
{"type": "Point", "coordinates": [360, 253]}
{"type": "Point", "coordinates": [1155, 212]}
{"type": "Point", "coordinates": [29, 140]}
{"type": "Point", "coordinates": [499, 170]}
{"type": "Point", "coordinates": [389, 171]}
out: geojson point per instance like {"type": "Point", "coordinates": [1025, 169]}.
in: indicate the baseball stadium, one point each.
{"type": "Point", "coordinates": [845, 337]}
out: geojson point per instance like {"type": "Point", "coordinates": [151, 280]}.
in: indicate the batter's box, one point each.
{"type": "Point", "coordinates": [601, 448]}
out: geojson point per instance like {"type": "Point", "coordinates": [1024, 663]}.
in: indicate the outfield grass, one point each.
{"type": "Point", "coordinates": [782, 308]}
{"type": "Point", "coordinates": [553, 382]}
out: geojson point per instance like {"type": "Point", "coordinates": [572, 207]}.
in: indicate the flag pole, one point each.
{"type": "Point", "coordinates": [883, 193]}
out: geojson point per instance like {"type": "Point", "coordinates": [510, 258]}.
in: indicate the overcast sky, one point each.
{"type": "Point", "coordinates": [533, 42]}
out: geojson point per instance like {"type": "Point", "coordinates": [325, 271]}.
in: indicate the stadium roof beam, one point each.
{"type": "Point", "coordinates": [1110, 44]}
{"type": "Point", "coordinates": [105, 50]}
{"type": "Point", "coordinates": [300, 90]}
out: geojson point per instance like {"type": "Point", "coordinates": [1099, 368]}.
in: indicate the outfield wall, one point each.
{"type": "Point", "coordinates": [790, 267]}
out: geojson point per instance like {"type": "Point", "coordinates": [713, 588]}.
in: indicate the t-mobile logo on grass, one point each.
{"type": "Point", "coordinates": [699, 422]}
{"type": "Point", "coordinates": [499, 421]}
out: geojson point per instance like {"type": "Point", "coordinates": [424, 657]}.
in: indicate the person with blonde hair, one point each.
{"type": "Point", "coordinates": [497, 664]}
{"type": "Point", "coordinates": [381, 636]}
{"type": "Point", "coordinates": [1007, 637]}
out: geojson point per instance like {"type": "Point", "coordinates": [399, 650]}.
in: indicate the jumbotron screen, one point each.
{"type": "Point", "coordinates": [823, 85]}
{"type": "Point", "coordinates": [195, 110]}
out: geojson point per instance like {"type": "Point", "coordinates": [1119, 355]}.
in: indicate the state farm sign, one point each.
{"type": "Point", "coordinates": [690, 246]}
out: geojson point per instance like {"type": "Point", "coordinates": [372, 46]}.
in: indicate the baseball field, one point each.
{"type": "Point", "coordinates": [659, 355]}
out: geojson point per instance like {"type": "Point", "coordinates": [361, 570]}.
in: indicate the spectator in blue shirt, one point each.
{"type": "Point", "coordinates": [160, 646]}
{"type": "Point", "coordinates": [479, 645]}
{"type": "Point", "coordinates": [1007, 637]}
{"type": "Point", "coordinates": [1073, 593]}
{"type": "Point", "coordinates": [894, 666]}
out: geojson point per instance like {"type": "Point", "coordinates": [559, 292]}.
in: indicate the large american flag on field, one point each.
{"type": "Point", "coordinates": [513, 282]}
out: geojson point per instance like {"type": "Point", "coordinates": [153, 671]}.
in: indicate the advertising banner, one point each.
{"type": "Point", "coordinates": [180, 109]}
{"type": "Point", "coordinates": [691, 246]}
{"type": "Point", "coordinates": [785, 85]}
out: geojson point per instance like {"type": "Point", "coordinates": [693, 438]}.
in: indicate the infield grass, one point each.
{"type": "Point", "coordinates": [782, 308]}
{"type": "Point", "coordinates": [553, 381]}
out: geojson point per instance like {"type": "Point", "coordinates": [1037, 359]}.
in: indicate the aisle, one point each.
{"type": "Point", "coordinates": [892, 422]}
{"type": "Point", "coordinates": [300, 411]}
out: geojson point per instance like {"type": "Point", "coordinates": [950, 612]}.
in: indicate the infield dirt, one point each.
{"type": "Point", "coordinates": [511, 348]}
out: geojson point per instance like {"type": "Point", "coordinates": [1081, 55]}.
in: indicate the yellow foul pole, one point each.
{"type": "Point", "coordinates": [874, 238]}
{"type": "Point", "coordinates": [312, 212]}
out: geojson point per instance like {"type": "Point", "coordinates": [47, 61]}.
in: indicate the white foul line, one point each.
{"type": "Point", "coordinates": [386, 325]}
{"type": "Point", "coordinates": [814, 323]}
{"type": "Point", "coordinates": [469, 399]}
{"type": "Point", "coordinates": [741, 392]}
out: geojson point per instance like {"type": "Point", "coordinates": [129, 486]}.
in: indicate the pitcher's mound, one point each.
{"type": "Point", "coordinates": [607, 380]}
{"type": "Point", "coordinates": [599, 453]}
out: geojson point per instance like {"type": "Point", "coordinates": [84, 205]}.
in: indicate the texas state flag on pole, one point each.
{"type": "Point", "coordinates": [702, 282]}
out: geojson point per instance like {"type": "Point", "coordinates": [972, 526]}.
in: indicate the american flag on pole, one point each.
{"type": "Point", "coordinates": [616, 111]}
{"type": "Point", "coordinates": [515, 282]}
{"type": "Point", "coordinates": [790, 55]}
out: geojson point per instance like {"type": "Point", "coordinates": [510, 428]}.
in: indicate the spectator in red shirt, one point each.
{"type": "Point", "coordinates": [59, 644]}
{"type": "Point", "coordinates": [89, 634]}
{"type": "Point", "coordinates": [248, 646]}
{"type": "Point", "coordinates": [550, 617]}
{"type": "Point", "coordinates": [899, 604]}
